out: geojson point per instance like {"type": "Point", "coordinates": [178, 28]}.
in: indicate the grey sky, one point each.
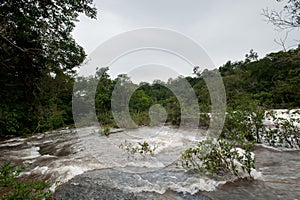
{"type": "Point", "coordinates": [226, 30]}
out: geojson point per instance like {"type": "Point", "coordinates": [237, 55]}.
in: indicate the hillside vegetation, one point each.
{"type": "Point", "coordinates": [272, 82]}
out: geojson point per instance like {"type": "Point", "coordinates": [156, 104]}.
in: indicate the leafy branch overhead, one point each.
{"type": "Point", "coordinates": [43, 29]}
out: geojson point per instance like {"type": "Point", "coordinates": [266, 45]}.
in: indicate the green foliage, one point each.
{"type": "Point", "coordinates": [204, 120]}
{"type": "Point", "coordinates": [10, 123]}
{"type": "Point", "coordinates": [140, 118]}
{"type": "Point", "coordinates": [106, 131]}
{"type": "Point", "coordinates": [8, 173]}
{"type": "Point", "coordinates": [247, 125]}
{"type": "Point", "coordinates": [272, 80]}
{"type": "Point", "coordinates": [244, 124]}
{"type": "Point", "coordinates": [218, 159]}
{"type": "Point", "coordinates": [173, 110]}
{"type": "Point", "coordinates": [231, 154]}
{"type": "Point", "coordinates": [139, 101]}
{"type": "Point", "coordinates": [19, 190]}
{"type": "Point", "coordinates": [38, 56]}
{"type": "Point", "coordinates": [252, 86]}
{"type": "Point", "coordinates": [141, 148]}
{"type": "Point", "coordinates": [106, 118]}
{"type": "Point", "coordinates": [157, 115]}
{"type": "Point", "coordinates": [286, 132]}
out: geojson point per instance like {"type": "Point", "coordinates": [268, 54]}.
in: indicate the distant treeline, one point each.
{"type": "Point", "coordinates": [272, 82]}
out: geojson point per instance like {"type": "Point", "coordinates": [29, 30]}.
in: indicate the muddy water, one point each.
{"type": "Point", "coordinates": [106, 172]}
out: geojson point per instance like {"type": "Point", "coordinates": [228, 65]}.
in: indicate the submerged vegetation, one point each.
{"type": "Point", "coordinates": [141, 148]}
{"type": "Point", "coordinates": [286, 130]}
{"type": "Point", "coordinates": [218, 158]}
{"type": "Point", "coordinates": [106, 131]}
{"type": "Point", "coordinates": [231, 153]}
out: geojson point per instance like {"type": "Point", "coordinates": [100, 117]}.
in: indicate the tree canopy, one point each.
{"type": "Point", "coordinates": [271, 82]}
{"type": "Point", "coordinates": [38, 56]}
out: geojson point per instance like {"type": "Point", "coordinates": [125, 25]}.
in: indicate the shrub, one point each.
{"type": "Point", "coordinates": [204, 120]}
{"type": "Point", "coordinates": [18, 190]}
{"type": "Point", "coordinates": [286, 130]}
{"type": "Point", "coordinates": [244, 124]}
{"type": "Point", "coordinates": [141, 118]}
{"type": "Point", "coordinates": [106, 131]}
{"type": "Point", "coordinates": [106, 118]}
{"type": "Point", "coordinates": [218, 158]}
{"type": "Point", "coordinates": [9, 121]}
{"type": "Point", "coordinates": [142, 148]}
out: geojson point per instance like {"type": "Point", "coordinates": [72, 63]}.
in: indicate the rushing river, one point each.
{"type": "Point", "coordinates": [82, 164]}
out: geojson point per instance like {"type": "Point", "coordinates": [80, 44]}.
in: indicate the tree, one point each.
{"type": "Point", "coordinates": [36, 44]}
{"type": "Point", "coordinates": [252, 56]}
{"type": "Point", "coordinates": [140, 101]}
{"type": "Point", "coordinates": [104, 91]}
{"type": "Point", "coordinates": [288, 17]}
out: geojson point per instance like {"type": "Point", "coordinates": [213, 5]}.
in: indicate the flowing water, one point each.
{"type": "Point", "coordinates": [81, 164]}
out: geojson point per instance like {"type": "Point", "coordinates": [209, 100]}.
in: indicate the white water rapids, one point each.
{"type": "Point", "coordinates": [59, 156]}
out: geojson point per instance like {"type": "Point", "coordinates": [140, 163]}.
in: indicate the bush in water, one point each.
{"type": "Point", "coordinates": [230, 154]}
{"type": "Point", "coordinates": [245, 123]}
{"type": "Point", "coordinates": [106, 131]}
{"type": "Point", "coordinates": [218, 158]}
{"type": "Point", "coordinates": [142, 148]}
{"type": "Point", "coordinates": [286, 130]}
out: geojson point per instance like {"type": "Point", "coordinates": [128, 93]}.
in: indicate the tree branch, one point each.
{"type": "Point", "coordinates": [19, 48]}
{"type": "Point", "coordinates": [11, 43]}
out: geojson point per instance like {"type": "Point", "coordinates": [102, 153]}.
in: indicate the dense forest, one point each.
{"type": "Point", "coordinates": [272, 82]}
{"type": "Point", "coordinates": [39, 57]}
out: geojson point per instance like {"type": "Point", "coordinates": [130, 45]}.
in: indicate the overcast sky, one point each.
{"type": "Point", "coordinates": [225, 29]}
